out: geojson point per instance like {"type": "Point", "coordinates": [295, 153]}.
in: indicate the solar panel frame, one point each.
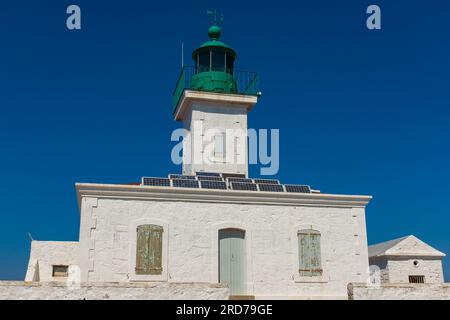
{"type": "Point", "coordinates": [181, 177]}
{"type": "Point", "coordinates": [244, 186]}
{"type": "Point", "coordinates": [267, 181]}
{"type": "Point", "coordinates": [155, 182]}
{"type": "Point", "coordinates": [217, 185]}
{"type": "Point", "coordinates": [207, 174]}
{"type": "Point", "coordinates": [185, 183]}
{"type": "Point", "coordinates": [294, 188]}
{"type": "Point", "coordinates": [239, 180]}
{"type": "Point", "coordinates": [209, 178]}
{"type": "Point", "coordinates": [233, 175]}
{"type": "Point", "coordinates": [267, 187]}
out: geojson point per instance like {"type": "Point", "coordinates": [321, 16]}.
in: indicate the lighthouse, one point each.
{"type": "Point", "coordinates": [212, 100]}
{"type": "Point", "coordinates": [212, 232]}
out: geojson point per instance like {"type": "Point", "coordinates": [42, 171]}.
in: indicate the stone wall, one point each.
{"type": "Point", "coordinates": [10, 290]}
{"type": "Point", "coordinates": [362, 291]}
{"type": "Point", "coordinates": [190, 246]}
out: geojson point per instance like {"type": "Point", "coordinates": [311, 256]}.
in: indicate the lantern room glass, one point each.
{"type": "Point", "coordinates": [214, 60]}
{"type": "Point", "coordinates": [229, 63]}
{"type": "Point", "coordinates": [203, 61]}
{"type": "Point", "coordinates": [218, 60]}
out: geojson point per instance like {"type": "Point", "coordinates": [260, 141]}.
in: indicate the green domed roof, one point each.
{"type": "Point", "coordinates": [214, 35]}
{"type": "Point", "coordinates": [214, 32]}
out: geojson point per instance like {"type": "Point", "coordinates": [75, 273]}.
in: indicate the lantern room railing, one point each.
{"type": "Point", "coordinates": [247, 83]}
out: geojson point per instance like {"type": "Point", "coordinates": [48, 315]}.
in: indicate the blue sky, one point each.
{"type": "Point", "coordinates": [359, 111]}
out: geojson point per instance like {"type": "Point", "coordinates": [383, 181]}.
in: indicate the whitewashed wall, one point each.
{"type": "Point", "coordinates": [45, 254]}
{"type": "Point", "coordinates": [361, 291]}
{"type": "Point", "coordinates": [108, 227]}
{"type": "Point", "coordinates": [10, 290]}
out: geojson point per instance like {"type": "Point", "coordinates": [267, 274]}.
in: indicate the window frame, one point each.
{"type": "Point", "coordinates": [64, 274]}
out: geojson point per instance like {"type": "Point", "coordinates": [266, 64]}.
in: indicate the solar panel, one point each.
{"type": "Point", "coordinates": [209, 178]}
{"type": "Point", "coordinates": [270, 187]}
{"type": "Point", "coordinates": [244, 186]}
{"type": "Point", "coordinates": [297, 188]}
{"type": "Point", "coordinates": [158, 182]}
{"type": "Point", "coordinates": [180, 183]}
{"type": "Point", "coordinates": [207, 174]}
{"type": "Point", "coordinates": [240, 180]}
{"type": "Point", "coordinates": [267, 181]}
{"type": "Point", "coordinates": [233, 175]}
{"type": "Point", "coordinates": [181, 176]}
{"type": "Point", "coordinates": [206, 184]}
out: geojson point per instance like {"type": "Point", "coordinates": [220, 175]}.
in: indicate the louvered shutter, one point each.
{"type": "Point", "coordinates": [304, 254]}
{"type": "Point", "coordinates": [155, 250]}
{"type": "Point", "coordinates": [316, 265]}
{"type": "Point", "coordinates": [149, 249]}
{"type": "Point", "coordinates": [309, 253]}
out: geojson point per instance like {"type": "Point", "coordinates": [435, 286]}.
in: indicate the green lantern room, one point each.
{"type": "Point", "coordinates": [213, 70]}
{"type": "Point", "coordinates": [214, 65]}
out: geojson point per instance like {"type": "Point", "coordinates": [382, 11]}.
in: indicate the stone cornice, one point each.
{"type": "Point", "coordinates": [133, 192]}
{"type": "Point", "coordinates": [223, 99]}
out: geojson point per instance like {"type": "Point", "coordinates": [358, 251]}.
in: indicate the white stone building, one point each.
{"type": "Point", "coordinates": [213, 227]}
{"type": "Point", "coordinates": [407, 260]}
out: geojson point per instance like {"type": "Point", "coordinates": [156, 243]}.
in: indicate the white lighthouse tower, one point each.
{"type": "Point", "coordinates": [212, 100]}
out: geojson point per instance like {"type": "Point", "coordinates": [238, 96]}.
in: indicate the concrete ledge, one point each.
{"type": "Point", "coordinates": [399, 291]}
{"type": "Point", "coordinates": [20, 290]}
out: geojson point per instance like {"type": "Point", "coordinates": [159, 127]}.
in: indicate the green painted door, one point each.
{"type": "Point", "coordinates": [232, 260]}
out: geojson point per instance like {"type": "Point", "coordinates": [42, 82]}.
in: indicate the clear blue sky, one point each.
{"type": "Point", "coordinates": [359, 111]}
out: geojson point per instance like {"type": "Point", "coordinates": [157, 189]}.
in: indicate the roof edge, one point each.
{"type": "Point", "coordinates": [389, 245]}
{"type": "Point", "coordinates": [132, 192]}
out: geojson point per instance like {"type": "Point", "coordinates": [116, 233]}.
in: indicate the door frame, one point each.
{"type": "Point", "coordinates": [248, 252]}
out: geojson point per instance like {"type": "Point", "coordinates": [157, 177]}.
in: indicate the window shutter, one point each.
{"type": "Point", "coordinates": [304, 254]}
{"type": "Point", "coordinates": [316, 265]}
{"type": "Point", "coordinates": [309, 253]}
{"type": "Point", "coordinates": [149, 249]}
{"type": "Point", "coordinates": [142, 250]}
{"type": "Point", "coordinates": [155, 250]}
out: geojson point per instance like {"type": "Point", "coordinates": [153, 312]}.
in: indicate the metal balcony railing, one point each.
{"type": "Point", "coordinates": [247, 83]}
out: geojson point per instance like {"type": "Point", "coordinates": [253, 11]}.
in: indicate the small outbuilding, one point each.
{"type": "Point", "coordinates": [407, 260]}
